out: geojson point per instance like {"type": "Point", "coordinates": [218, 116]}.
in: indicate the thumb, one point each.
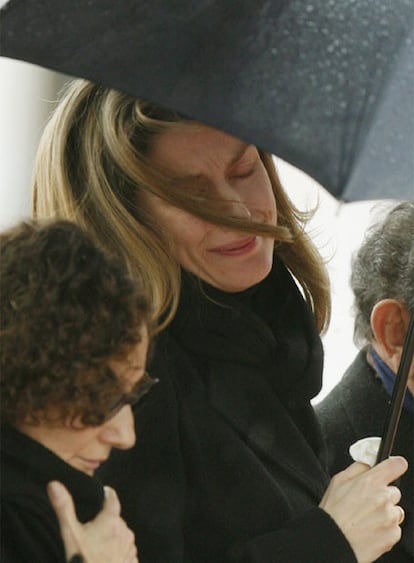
{"type": "Point", "coordinates": [62, 503]}
{"type": "Point", "coordinates": [111, 504]}
{"type": "Point", "coordinates": [390, 469]}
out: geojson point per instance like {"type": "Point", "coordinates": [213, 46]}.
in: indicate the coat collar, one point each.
{"type": "Point", "coordinates": [260, 354]}
{"type": "Point", "coordinates": [38, 465]}
{"type": "Point", "coordinates": [269, 328]}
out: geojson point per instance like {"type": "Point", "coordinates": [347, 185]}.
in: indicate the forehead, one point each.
{"type": "Point", "coordinates": [185, 148]}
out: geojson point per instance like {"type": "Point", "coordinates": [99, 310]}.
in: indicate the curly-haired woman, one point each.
{"type": "Point", "coordinates": [73, 340]}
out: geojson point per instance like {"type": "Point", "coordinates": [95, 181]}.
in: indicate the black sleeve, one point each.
{"type": "Point", "coordinates": [29, 532]}
{"type": "Point", "coordinates": [313, 537]}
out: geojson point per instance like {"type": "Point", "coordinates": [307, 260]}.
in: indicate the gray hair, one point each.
{"type": "Point", "coordinates": [383, 267]}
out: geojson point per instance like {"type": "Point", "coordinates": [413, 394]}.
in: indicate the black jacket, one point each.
{"type": "Point", "coordinates": [226, 466]}
{"type": "Point", "coordinates": [29, 528]}
{"type": "Point", "coordinates": [357, 408]}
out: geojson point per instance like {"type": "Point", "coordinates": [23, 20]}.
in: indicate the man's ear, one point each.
{"type": "Point", "coordinates": [389, 324]}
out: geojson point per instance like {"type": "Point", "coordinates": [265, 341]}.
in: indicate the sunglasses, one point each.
{"type": "Point", "coordinates": [133, 397]}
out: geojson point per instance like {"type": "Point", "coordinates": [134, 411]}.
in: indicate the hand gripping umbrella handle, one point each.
{"type": "Point", "coordinates": [397, 399]}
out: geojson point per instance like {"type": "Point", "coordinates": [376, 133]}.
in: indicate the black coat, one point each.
{"type": "Point", "coordinates": [226, 465]}
{"type": "Point", "coordinates": [356, 408]}
{"type": "Point", "coordinates": [29, 528]}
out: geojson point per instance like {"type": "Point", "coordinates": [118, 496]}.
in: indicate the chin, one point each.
{"type": "Point", "coordinates": [259, 271]}
{"type": "Point", "coordinates": [243, 281]}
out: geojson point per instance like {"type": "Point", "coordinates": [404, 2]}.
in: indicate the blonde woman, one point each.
{"type": "Point", "coordinates": [228, 464]}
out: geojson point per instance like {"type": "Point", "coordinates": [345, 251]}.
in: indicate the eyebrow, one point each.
{"type": "Point", "coordinates": [238, 155]}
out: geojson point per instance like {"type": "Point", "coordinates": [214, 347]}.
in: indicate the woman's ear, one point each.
{"type": "Point", "coordinates": [389, 324]}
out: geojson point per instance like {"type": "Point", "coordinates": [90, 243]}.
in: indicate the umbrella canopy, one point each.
{"type": "Point", "coordinates": [324, 84]}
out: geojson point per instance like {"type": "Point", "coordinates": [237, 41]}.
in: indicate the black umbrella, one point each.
{"type": "Point", "coordinates": [326, 85]}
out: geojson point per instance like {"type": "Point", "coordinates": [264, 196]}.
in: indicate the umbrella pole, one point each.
{"type": "Point", "coordinates": [397, 399]}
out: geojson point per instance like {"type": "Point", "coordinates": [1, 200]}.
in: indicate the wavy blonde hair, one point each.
{"type": "Point", "coordinates": [92, 163]}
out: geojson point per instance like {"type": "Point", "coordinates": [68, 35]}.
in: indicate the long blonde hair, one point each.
{"type": "Point", "coordinates": [92, 163]}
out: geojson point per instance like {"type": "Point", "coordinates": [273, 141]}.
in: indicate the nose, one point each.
{"type": "Point", "coordinates": [119, 431]}
{"type": "Point", "coordinates": [232, 203]}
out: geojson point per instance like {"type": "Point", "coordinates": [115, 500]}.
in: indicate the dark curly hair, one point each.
{"type": "Point", "coordinates": [66, 308]}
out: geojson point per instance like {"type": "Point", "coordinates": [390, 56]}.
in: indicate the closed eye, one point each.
{"type": "Point", "coordinates": [244, 170]}
{"type": "Point", "coordinates": [246, 165]}
{"type": "Point", "coordinates": [244, 173]}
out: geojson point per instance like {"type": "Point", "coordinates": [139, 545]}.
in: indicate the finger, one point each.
{"type": "Point", "coordinates": [353, 470]}
{"type": "Point", "coordinates": [401, 515]}
{"type": "Point", "coordinates": [394, 494]}
{"type": "Point", "coordinates": [389, 470]}
{"type": "Point", "coordinates": [132, 556]}
{"type": "Point", "coordinates": [62, 503]}
{"type": "Point", "coordinates": [111, 504]}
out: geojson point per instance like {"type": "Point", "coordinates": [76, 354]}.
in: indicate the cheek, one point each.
{"type": "Point", "coordinates": [270, 196]}
{"type": "Point", "coordinates": [186, 232]}
{"type": "Point", "coordinates": [81, 440]}
{"type": "Point", "coordinates": [262, 197]}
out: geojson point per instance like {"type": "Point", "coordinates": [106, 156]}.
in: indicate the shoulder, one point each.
{"type": "Point", "coordinates": [168, 358]}
{"type": "Point", "coordinates": [175, 368]}
{"type": "Point", "coordinates": [357, 386]}
{"type": "Point", "coordinates": [29, 529]}
{"type": "Point", "coordinates": [355, 408]}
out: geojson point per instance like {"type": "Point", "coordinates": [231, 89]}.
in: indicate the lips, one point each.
{"type": "Point", "coordinates": [239, 246]}
{"type": "Point", "coordinates": [92, 463]}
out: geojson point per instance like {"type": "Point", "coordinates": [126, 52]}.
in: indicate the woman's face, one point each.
{"type": "Point", "coordinates": [207, 159]}
{"type": "Point", "coordinates": [85, 448]}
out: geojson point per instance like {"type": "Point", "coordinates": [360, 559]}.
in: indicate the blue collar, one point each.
{"type": "Point", "coordinates": [388, 378]}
